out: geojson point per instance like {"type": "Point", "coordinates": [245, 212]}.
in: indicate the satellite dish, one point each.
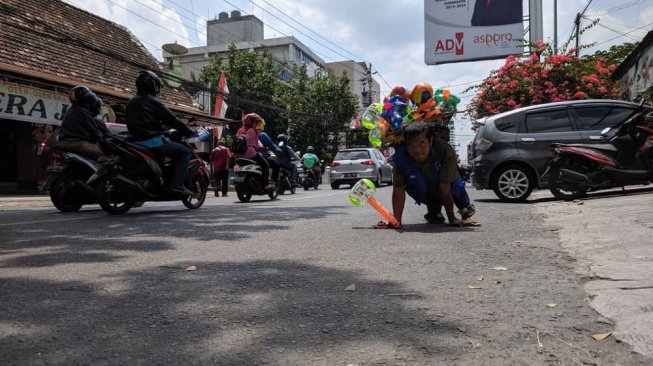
{"type": "Point", "coordinates": [175, 49]}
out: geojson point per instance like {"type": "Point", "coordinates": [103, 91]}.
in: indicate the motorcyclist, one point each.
{"type": "Point", "coordinates": [270, 150]}
{"type": "Point", "coordinates": [146, 115]}
{"type": "Point", "coordinates": [248, 129]}
{"type": "Point", "coordinates": [81, 132]}
{"type": "Point", "coordinates": [312, 162]}
{"type": "Point", "coordinates": [287, 156]}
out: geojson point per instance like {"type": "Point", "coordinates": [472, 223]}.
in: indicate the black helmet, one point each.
{"type": "Point", "coordinates": [83, 96]}
{"type": "Point", "coordinates": [148, 82]}
{"type": "Point", "coordinates": [310, 149]}
{"type": "Point", "coordinates": [282, 137]}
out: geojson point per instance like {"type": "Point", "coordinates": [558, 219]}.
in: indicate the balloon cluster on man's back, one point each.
{"type": "Point", "coordinates": [399, 109]}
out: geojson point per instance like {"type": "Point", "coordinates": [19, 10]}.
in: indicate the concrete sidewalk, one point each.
{"type": "Point", "coordinates": [611, 237]}
{"type": "Point", "coordinates": [8, 202]}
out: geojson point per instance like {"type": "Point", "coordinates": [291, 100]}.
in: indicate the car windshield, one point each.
{"type": "Point", "coordinates": [352, 155]}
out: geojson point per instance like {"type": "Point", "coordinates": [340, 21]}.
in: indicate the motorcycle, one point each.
{"type": "Point", "coordinates": [310, 179]}
{"type": "Point", "coordinates": [287, 181]}
{"type": "Point", "coordinates": [136, 174]}
{"type": "Point", "coordinates": [70, 181]}
{"type": "Point", "coordinates": [627, 159]}
{"type": "Point", "coordinates": [249, 180]}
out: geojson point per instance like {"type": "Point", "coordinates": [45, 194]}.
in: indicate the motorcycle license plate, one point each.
{"type": "Point", "coordinates": [350, 175]}
{"type": "Point", "coordinates": [55, 169]}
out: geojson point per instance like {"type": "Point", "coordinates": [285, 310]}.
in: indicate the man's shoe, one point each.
{"type": "Point", "coordinates": [467, 212]}
{"type": "Point", "coordinates": [437, 218]}
{"type": "Point", "coordinates": [224, 195]}
{"type": "Point", "coordinates": [182, 190]}
{"type": "Point", "coordinates": [268, 186]}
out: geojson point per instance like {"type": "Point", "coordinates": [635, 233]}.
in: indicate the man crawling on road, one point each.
{"type": "Point", "coordinates": [426, 168]}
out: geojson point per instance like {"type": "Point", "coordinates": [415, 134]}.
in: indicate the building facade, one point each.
{"type": "Point", "coordinates": [361, 83]}
{"type": "Point", "coordinates": [635, 73]}
{"type": "Point", "coordinates": [246, 33]}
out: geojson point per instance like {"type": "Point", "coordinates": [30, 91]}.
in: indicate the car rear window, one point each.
{"type": "Point", "coordinates": [352, 155]}
{"type": "Point", "coordinates": [548, 121]}
{"type": "Point", "coordinates": [601, 117]}
{"type": "Point", "coordinates": [508, 123]}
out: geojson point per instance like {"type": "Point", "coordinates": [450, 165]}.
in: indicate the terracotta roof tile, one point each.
{"type": "Point", "coordinates": [50, 36]}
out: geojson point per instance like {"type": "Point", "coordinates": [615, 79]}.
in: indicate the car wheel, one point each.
{"type": "Point", "coordinates": [335, 185]}
{"type": "Point", "coordinates": [563, 190]}
{"type": "Point", "coordinates": [379, 180]}
{"type": "Point", "coordinates": [513, 183]}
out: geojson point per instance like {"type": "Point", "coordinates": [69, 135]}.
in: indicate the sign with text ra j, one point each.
{"type": "Point", "coordinates": [29, 104]}
{"type": "Point", "coordinates": [466, 30]}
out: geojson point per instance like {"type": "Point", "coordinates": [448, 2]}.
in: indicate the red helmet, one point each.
{"type": "Point", "coordinates": [251, 119]}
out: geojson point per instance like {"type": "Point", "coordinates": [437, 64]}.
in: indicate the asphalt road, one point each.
{"type": "Point", "coordinates": [270, 287]}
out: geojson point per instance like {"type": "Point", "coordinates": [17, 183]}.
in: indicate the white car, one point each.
{"type": "Point", "coordinates": [351, 165]}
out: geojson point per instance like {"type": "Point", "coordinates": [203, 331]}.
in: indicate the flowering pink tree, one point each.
{"type": "Point", "coordinates": [543, 77]}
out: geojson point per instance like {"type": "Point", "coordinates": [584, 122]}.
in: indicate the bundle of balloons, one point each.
{"type": "Point", "coordinates": [399, 109]}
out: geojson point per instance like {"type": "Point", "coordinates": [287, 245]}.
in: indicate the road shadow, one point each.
{"type": "Point", "coordinates": [227, 313]}
{"type": "Point", "coordinates": [147, 230]}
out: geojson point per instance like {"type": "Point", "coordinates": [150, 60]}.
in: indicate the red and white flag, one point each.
{"type": "Point", "coordinates": [220, 105]}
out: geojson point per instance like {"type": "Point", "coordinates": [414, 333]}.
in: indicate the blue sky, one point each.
{"type": "Point", "coordinates": [388, 34]}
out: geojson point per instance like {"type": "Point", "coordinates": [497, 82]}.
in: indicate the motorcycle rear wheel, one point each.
{"type": "Point", "coordinates": [63, 197]}
{"type": "Point", "coordinates": [114, 196]}
{"type": "Point", "coordinates": [562, 191]}
{"type": "Point", "coordinates": [273, 194]}
{"type": "Point", "coordinates": [199, 186]}
{"type": "Point", "coordinates": [242, 194]}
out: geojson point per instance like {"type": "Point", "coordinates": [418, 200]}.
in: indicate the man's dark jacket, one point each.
{"type": "Point", "coordinates": [497, 12]}
{"type": "Point", "coordinates": [145, 116]}
{"type": "Point", "coordinates": [79, 124]}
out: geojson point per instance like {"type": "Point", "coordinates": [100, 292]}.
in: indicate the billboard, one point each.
{"type": "Point", "coordinates": [466, 30]}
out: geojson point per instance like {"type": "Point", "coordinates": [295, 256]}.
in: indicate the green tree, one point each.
{"type": "Point", "coordinates": [319, 109]}
{"type": "Point", "coordinates": [616, 54]}
{"type": "Point", "coordinates": [253, 79]}
{"type": "Point", "coordinates": [311, 110]}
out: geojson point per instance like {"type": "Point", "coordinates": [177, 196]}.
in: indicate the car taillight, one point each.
{"type": "Point", "coordinates": [237, 169]}
{"type": "Point", "coordinates": [334, 164]}
{"type": "Point", "coordinates": [367, 162]}
{"type": "Point", "coordinates": [481, 146]}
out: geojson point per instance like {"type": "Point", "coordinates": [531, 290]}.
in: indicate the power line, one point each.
{"type": "Point", "coordinates": [271, 27]}
{"type": "Point", "coordinates": [314, 32]}
{"type": "Point", "coordinates": [619, 7]}
{"type": "Point", "coordinates": [622, 35]}
{"type": "Point", "coordinates": [612, 29]}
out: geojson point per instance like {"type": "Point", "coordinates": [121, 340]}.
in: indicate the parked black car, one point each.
{"type": "Point", "coordinates": [510, 150]}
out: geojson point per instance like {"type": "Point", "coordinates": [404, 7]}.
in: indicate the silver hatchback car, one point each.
{"type": "Point", "coordinates": [351, 165]}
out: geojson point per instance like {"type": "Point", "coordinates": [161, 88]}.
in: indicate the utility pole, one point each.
{"type": "Point", "coordinates": [577, 22]}
{"type": "Point", "coordinates": [555, 27]}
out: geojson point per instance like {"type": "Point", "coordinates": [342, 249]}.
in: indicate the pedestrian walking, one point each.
{"type": "Point", "coordinates": [220, 157]}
